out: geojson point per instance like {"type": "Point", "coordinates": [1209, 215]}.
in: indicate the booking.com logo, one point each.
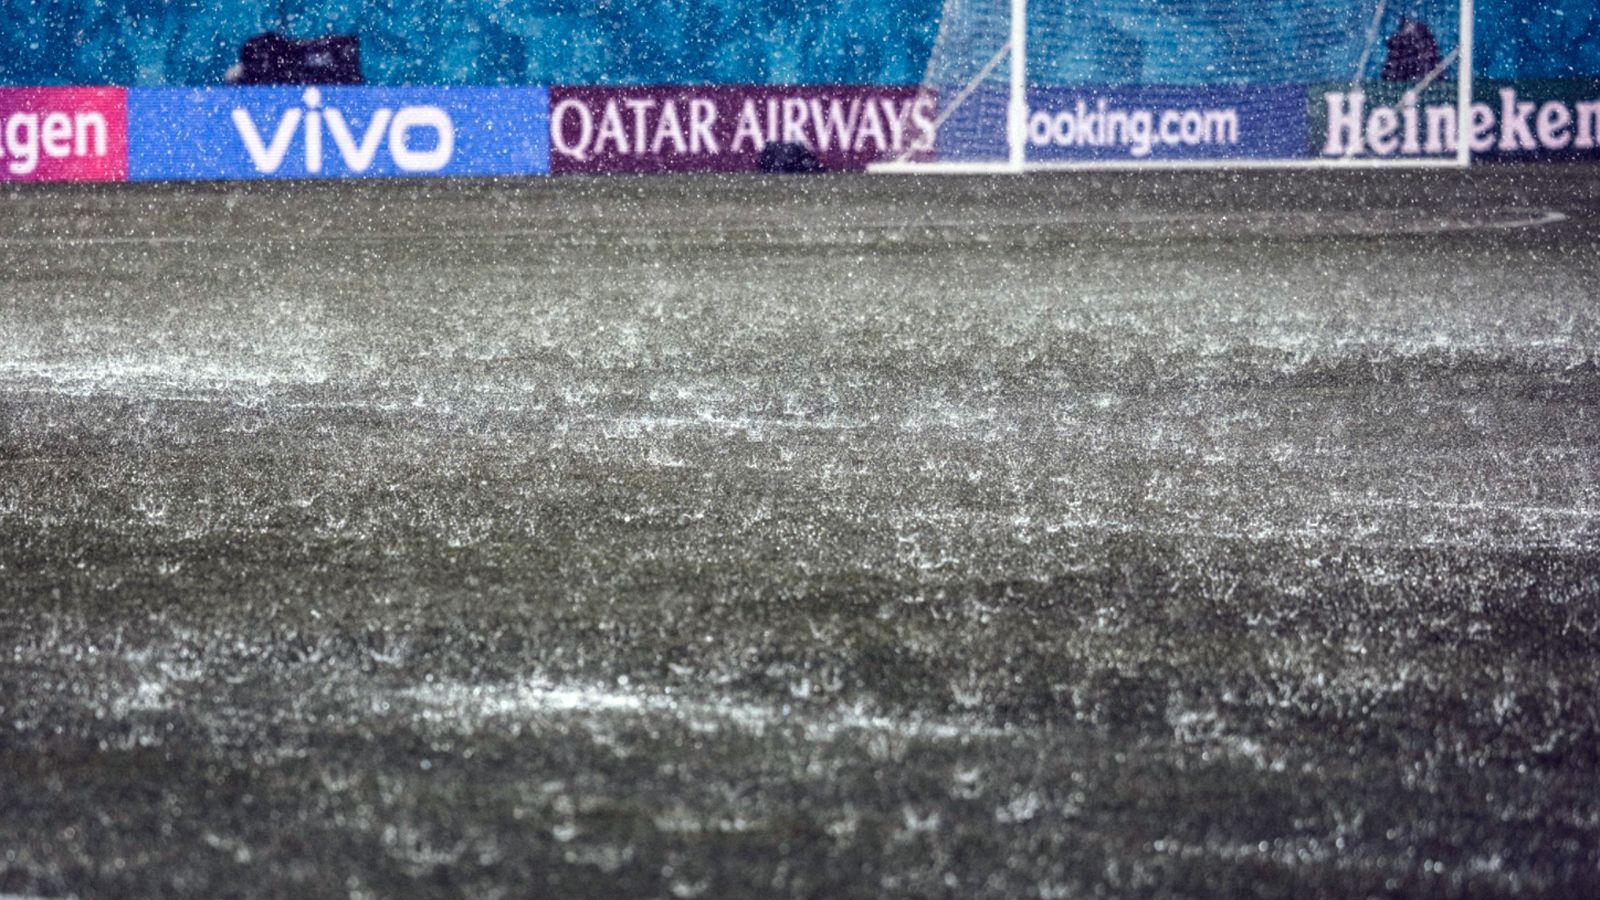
{"type": "Point", "coordinates": [1140, 130]}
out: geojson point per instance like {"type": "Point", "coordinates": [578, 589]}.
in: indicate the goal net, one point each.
{"type": "Point", "coordinates": [1040, 84]}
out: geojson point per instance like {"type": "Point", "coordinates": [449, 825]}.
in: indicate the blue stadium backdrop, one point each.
{"type": "Point", "coordinates": [500, 42]}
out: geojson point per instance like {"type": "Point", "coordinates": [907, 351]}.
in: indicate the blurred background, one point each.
{"type": "Point", "coordinates": [490, 42]}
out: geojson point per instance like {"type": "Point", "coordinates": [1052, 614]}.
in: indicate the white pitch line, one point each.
{"type": "Point", "coordinates": [950, 167]}
{"type": "Point", "coordinates": [539, 697]}
{"type": "Point", "coordinates": [1522, 219]}
{"type": "Point", "coordinates": [1576, 512]}
{"type": "Point", "coordinates": [1549, 217]}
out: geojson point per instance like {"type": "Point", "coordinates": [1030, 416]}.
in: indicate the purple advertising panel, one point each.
{"type": "Point", "coordinates": [600, 130]}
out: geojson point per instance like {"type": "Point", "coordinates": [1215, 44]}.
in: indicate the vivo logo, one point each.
{"type": "Point", "coordinates": [357, 146]}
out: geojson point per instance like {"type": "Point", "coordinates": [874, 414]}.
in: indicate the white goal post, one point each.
{"type": "Point", "coordinates": [1130, 84]}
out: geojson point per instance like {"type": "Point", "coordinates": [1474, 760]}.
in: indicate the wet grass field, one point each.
{"type": "Point", "coordinates": [1073, 536]}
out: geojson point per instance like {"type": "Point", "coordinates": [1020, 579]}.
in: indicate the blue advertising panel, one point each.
{"type": "Point", "coordinates": [1168, 122]}
{"type": "Point", "coordinates": [336, 132]}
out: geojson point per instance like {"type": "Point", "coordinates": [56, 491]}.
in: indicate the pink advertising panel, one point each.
{"type": "Point", "coordinates": [63, 134]}
{"type": "Point", "coordinates": [597, 130]}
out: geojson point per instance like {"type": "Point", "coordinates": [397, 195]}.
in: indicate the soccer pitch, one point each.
{"type": "Point", "coordinates": [1056, 536]}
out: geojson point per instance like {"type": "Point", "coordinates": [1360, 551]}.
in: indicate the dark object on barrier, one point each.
{"type": "Point", "coordinates": [789, 158]}
{"type": "Point", "coordinates": [1413, 53]}
{"type": "Point", "coordinates": [272, 58]}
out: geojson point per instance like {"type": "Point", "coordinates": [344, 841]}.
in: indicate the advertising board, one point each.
{"type": "Point", "coordinates": [63, 134]}
{"type": "Point", "coordinates": [596, 130]}
{"type": "Point", "coordinates": [115, 134]}
{"type": "Point", "coordinates": [1166, 122]}
{"type": "Point", "coordinates": [336, 132]}
{"type": "Point", "coordinates": [1521, 121]}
